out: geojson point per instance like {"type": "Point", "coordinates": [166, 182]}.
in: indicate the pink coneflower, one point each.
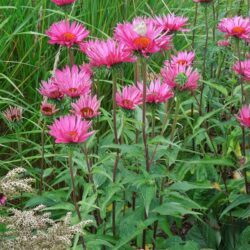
{"type": "Point", "coordinates": [50, 89]}
{"type": "Point", "coordinates": [67, 34]}
{"type": "Point", "coordinates": [184, 78]}
{"type": "Point", "coordinates": [223, 43]}
{"type": "Point", "coordinates": [87, 107]}
{"type": "Point", "coordinates": [13, 114]}
{"type": "Point", "coordinates": [70, 129]}
{"type": "Point", "coordinates": [243, 68]}
{"type": "Point", "coordinates": [106, 53]}
{"type": "Point", "coordinates": [63, 2]}
{"type": "Point", "coordinates": [129, 98]}
{"type": "Point", "coordinates": [142, 36]}
{"type": "Point", "coordinates": [235, 26]}
{"type": "Point", "coordinates": [73, 82]}
{"type": "Point", "coordinates": [184, 58]}
{"type": "Point", "coordinates": [171, 23]}
{"type": "Point", "coordinates": [48, 109]}
{"type": "Point", "coordinates": [244, 116]}
{"type": "Point", "coordinates": [157, 92]}
{"type": "Point", "coordinates": [3, 199]}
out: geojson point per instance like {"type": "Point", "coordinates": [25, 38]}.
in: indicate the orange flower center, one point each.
{"type": "Point", "coordinates": [127, 103]}
{"type": "Point", "coordinates": [69, 36]}
{"type": "Point", "coordinates": [238, 30]}
{"type": "Point", "coordinates": [55, 93]}
{"type": "Point", "coordinates": [182, 62]}
{"type": "Point", "coordinates": [47, 109]}
{"type": "Point", "coordinates": [73, 90]}
{"type": "Point", "coordinates": [72, 134]}
{"type": "Point", "coordinates": [142, 42]}
{"type": "Point", "coordinates": [86, 112]}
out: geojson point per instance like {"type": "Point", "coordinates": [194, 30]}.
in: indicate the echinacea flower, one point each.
{"type": "Point", "coordinates": [179, 76]}
{"type": "Point", "coordinates": [13, 114]}
{"type": "Point", "coordinates": [64, 33]}
{"type": "Point", "coordinates": [70, 129]}
{"type": "Point", "coordinates": [244, 116]}
{"type": "Point", "coordinates": [243, 68]}
{"type": "Point", "coordinates": [129, 98]}
{"type": "Point", "coordinates": [157, 92]}
{"type": "Point", "coordinates": [106, 53]}
{"type": "Point", "coordinates": [63, 2]}
{"type": "Point", "coordinates": [87, 107]}
{"type": "Point", "coordinates": [50, 89]}
{"type": "Point", "coordinates": [223, 43]}
{"type": "Point", "coordinates": [48, 109]}
{"type": "Point", "coordinates": [184, 58]}
{"type": "Point", "coordinates": [142, 36]}
{"type": "Point", "coordinates": [3, 199]}
{"type": "Point", "coordinates": [171, 23]}
{"type": "Point", "coordinates": [73, 82]}
{"type": "Point", "coordinates": [237, 26]}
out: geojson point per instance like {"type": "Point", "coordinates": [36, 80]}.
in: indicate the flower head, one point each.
{"type": "Point", "coordinates": [244, 116]}
{"type": "Point", "coordinates": [236, 27]}
{"type": "Point", "coordinates": [243, 68]}
{"type": "Point", "coordinates": [142, 36]}
{"type": "Point", "coordinates": [87, 107]}
{"type": "Point", "coordinates": [64, 33]}
{"type": "Point", "coordinates": [184, 58]}
{"type": "Point", "coordinates": [129, 98]}
{"type": "Point", "coordinates": [50, 89]}
{"type": "Point", "coordinates": [73, 82]}
{"type": "Point", "coordinates": [3, 199]}
{"type": "Point", "coordinates": [184, 78]}
{"type": "Point", "coordinates": [223, 43]}
{"type": "Point", "coordinates": [48, 109]}
{"type": "Point", "coordinates": [70, 129]}
{"type": "Point", "coordinates": [13, 114]}
{"type": "Point", "coordinates": [106, 53]}
{"type": "Point", "coordinates": [63, 2]}
{"type": "Point", "coordinates": [171, 23]}
{"type": "Point", "coordinates": [157, 92]}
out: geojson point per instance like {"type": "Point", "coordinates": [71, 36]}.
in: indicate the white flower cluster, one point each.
{"type": "Point", "coordinates": [14, 184]}
{"type": "Point", "coordinates": [35, 230]}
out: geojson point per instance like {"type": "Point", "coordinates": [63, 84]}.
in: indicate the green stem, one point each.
{"type": "Point", "coordinates": [71, 56]}
{"type": "Point", "coordinates": [204, 58]}
{"type": "Point", "coordinates": [73, 184]}
{"type": "Point", "coordinates": [91, 181]}
{"type": "Point", "coordinates": [153, 122]}
{"type": "Point", "coordinates": [144, 96]}
{"type": "Point", "coordinates": [194, 25]}
{"type": "Point", "coordinates": [177, 107]}
{"type": "Point", "coordinates": [42, 156]}
{"type": "Point", "coordinates": [144, 134]}
{"type": "Point", "coordinates": [114, 89]}
{"type": "Point", "coordinates": [243, 102]}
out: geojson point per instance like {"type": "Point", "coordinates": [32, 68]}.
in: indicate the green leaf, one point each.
{"type": "Point", "coordinates": [218, 87]}
{"type": "Point", "coordinates": [241, 199]}
{"type": "Point", "coordinates": [148, 193]}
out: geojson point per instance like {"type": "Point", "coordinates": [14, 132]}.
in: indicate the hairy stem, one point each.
{"type": "Point", "coordinates": [243, 102]}
{"type": "Point", "coordinates": [114, 89]}
{"type": "Point", "coordinates": [42, 156]}
{"type": "Point", "coordinates": [144, 95]}
{"type": "Point", "coordinates": [73, 184]}
{"type": "Point", "coordinates": [204, 58]}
